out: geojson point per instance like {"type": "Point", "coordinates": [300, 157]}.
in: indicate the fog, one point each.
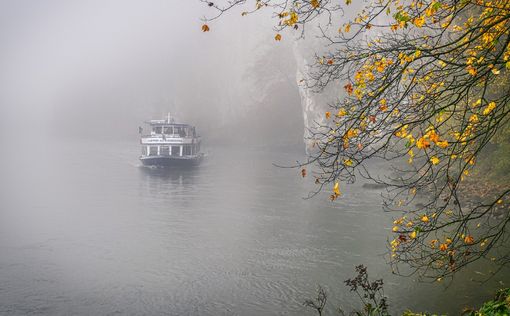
{"type": "Point", "coordinates": [98, 69]}
{"type": "Point", "coordinates": [85, 229]}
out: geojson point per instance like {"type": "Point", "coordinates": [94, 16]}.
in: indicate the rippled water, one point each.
{"type": "Point", "coordinates": [85, 230]}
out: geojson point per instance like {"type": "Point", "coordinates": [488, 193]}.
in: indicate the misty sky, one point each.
{"type": "Point", "coordinates": [108, 65]}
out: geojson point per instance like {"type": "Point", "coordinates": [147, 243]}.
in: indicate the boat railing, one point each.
{"type": "Point", "coordinates": [168, 136]}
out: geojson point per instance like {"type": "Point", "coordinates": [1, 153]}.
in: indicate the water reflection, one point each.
{"type": "Point", "coordinates": [177, 175]}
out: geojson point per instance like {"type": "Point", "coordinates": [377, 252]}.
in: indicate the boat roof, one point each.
{"type": "Point", "coordinates": [166, 123]}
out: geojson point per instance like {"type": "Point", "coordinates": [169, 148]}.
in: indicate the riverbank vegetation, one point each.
{"type": "Point", "coordinates": [373, 301]}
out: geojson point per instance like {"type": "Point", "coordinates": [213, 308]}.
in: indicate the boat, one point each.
{"type": "Point", "coordinates": [170, 144]}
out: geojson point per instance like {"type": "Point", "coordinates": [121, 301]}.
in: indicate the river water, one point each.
{"type": "Point", "coordinates": [85, 230]}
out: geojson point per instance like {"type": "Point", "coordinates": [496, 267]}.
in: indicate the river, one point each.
{"type": "Point", "coordinates": [85, 230]}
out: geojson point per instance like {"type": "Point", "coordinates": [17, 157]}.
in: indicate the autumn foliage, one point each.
{"type": "Point", "coordinates": [423, 85]}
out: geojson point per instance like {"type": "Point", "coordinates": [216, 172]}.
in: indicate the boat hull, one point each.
{"type": "Point", "coordinates": [169, 161]}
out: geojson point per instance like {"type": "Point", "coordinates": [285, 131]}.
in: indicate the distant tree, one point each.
{"type": "Point", "coordinates": [426, 86]}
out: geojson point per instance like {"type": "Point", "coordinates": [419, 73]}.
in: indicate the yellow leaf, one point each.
{"type": "Point", "coordinates": [348, 162]}
{"type": "Point", "coordinates": [489, 108]}
{"type": "Point", "coordinates": [205, 28]}
{"type": "Point", "coordinates": [434, 160]}
{"type": "Point", "coordinates": [341, 112]}
{"type": "Point", "coordinates": [336, 188]}
{"type": "Point", "coordinates": [278, 37]}
{"type": "Point", "coordinates": [471, 70]}
{"type": "Point", "coordinates": [328, 115]}
{"type": "Point", "coordinates": [422, 143]}
{"type": "Point", "coordinates": [347, 27]}
{"type": "Point", "coordinates": [347, 2]}
{"type": "Point", "coordinates": [425, 218]}
{"type": "Point", "coordinates": [419, 21]}
{"type": "Point", "coordinates": [293, 19]}
{"type": "Point", "coordinates": [399, 221]}
{"type": "Point", "coordinates": [442, 143]}
{"type": "Point", "coordinates": [432, 135]}
{"type": "Point", "coordinates": [413, 234]}
{"type": "Point", "coordinates": [314, 3]}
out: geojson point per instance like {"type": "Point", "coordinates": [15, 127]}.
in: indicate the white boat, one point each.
{"type": "Point", "coordinates": [170, 144]}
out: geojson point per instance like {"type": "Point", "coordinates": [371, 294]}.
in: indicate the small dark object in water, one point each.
{"type": "Point", "coordinates": [374, 186]}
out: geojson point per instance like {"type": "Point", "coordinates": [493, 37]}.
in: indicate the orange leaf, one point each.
{"type": "Point", "coordinates": [348, 87]}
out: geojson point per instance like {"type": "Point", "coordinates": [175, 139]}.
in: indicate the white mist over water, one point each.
{"type": "Point", "coordinates": [85, 230]}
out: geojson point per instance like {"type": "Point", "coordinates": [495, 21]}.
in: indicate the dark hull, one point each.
{"type": "Point", "coordinates": [167, 161]}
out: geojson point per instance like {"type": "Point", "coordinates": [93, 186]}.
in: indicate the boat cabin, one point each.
{"type": "Point", "coordinates": [168, 139]}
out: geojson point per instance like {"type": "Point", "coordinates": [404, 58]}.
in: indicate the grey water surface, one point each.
{"type": "Point", "coordinates": [85, 230]}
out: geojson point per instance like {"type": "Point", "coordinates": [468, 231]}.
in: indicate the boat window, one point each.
{"type": "Point", "coordinates": [187, 150]}
{"type": "Point", "coordinates": [175, 150]}
{"type": "Point", "coordinates": [168, 130]}
{"type": "Point", "coordinates": [153, 150]}
{"type": "Point", "coordinates": [179, 130]}
{"type": "Point", "coordinates": [144, 150]}
{"type": "Point", "coordinates": [157, 129]}
{"type": "Point", "coordinates": [164, 151]}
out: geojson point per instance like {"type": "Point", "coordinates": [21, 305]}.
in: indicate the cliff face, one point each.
{"type": "Point", "coordinates": [306, 50]}
{"type": "Point", "coordinates": [314, 104]}
{"type": "Point", "coordinates": [308, 104]}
